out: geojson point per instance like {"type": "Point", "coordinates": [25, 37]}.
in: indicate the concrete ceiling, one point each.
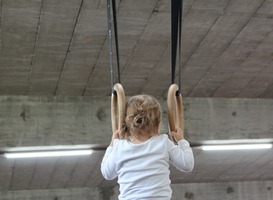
{"type": "Point", "coordinates": [60, 48]}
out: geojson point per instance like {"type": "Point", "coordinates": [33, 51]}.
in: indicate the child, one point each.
{"type": "Point", "coordinates": [141, 160]}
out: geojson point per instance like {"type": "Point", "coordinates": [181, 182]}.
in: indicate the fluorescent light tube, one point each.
{"type": "Point", "coordinates": [33, 154]}
{"type": "Point", "coordinates": [236, 147]}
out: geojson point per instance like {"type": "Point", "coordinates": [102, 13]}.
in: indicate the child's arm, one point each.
{"type": "Point", "coordinates": [108, 166]}
{"type": "Point", "coordinates": [181, 155]}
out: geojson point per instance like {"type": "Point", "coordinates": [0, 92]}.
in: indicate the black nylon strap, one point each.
{"type": "Point", "coordinates": [176, 27]}
{"type": "Point", "coordinates": [180, 46]}
{"type": "Point", "coordinates": [116, 36]}
{"type": "Point", "coordinates": [109, 19]}
{"type": "Point", "coordinates": [109, 22]}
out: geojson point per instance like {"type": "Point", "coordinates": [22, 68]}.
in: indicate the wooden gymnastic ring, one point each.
{"type": "Point", "coordinates": [175, 108]}
{"type": "Point", "coordinates": [118, 107]}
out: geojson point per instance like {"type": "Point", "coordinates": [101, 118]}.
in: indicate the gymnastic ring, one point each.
{"type": "Point", "coordinates": [175, 108]}
{"type": "Point", "coordinates": [117, 107]}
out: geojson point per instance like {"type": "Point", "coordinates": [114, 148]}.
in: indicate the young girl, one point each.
{"type": "Point", "coordinates": [141, 160]}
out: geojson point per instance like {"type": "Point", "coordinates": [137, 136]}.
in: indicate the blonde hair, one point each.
{"type": "Point", "coordinates": [143, 115]}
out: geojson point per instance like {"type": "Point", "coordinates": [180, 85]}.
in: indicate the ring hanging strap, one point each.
{"type": "Point", "coordinates": [109, 19]}
{"type": "Point", "coordinates": [118, 95]}
{"type": "Point", "coordinates": [176, 27]}
{"type": "Point", "coordinates": [116, 36]}
{"type": "Point", "coordinates": [109, 22]}
{"type": "Point", "coordinates": [174, 98]}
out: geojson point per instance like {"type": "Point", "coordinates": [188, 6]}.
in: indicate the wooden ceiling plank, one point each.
{"type": "Point", "coordinates": [55, 31]}
{"type": "Point", "coordinates": [19, 21]}
{"type": "Point", "coordinates": [217, 58]}
{"type": "Point", "coordinates": [89, 36]}
{"type": "Point", "coordinates": [222, 34]}
{"type": "Point", "coordinates": [253, 35]}
{"type": "Point", "coordinates": [22, 173]}
{"type": "Point", "coordinates": [62, 171]}
{"type": "Point", "coordinates": [6, 173]}
{"type": "Point", "coordinates": [43, 172]}
{"type": "Point", "coordinates": [85, 170]}
{"type": "Point", "coordinates": [94, 179]}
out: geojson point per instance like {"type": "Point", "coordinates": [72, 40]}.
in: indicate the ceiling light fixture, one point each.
{"type": "Point", "coordinates": [33, 154]}
{"type": "Point", "coordinates": [236, 147]}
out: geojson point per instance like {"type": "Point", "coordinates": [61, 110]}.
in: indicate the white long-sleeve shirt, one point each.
{"type": "Point", "coordinates": [143, 169]}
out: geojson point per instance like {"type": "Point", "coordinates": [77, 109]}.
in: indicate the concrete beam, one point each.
{"type": "Point", "coordinates": [40, 121]}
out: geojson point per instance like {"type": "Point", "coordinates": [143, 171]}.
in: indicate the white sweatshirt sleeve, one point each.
{"type": "Point", "coordinates": [108, 166]}
{"type": "Point", "coordinates": [181, 155]}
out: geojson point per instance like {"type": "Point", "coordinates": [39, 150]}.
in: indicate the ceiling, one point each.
{"type": "Point", "coordinates": [60, 47]}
